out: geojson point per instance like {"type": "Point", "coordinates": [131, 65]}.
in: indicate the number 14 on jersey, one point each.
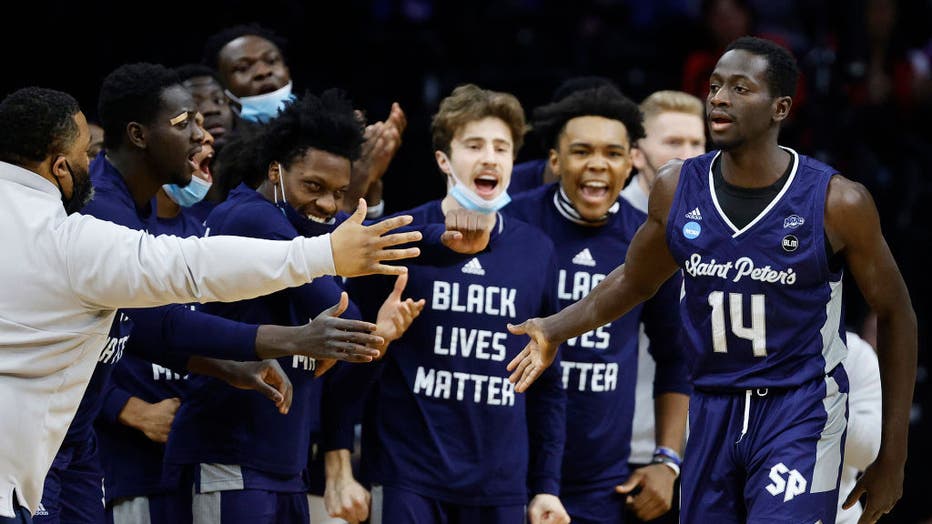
{"type": "Point", "coordinates": [756, 333]}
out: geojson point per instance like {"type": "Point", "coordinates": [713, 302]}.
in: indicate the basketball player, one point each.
{"type": "Point", "coordinates": [442, 407]}
{"type": "Point", "coordinates": [591, 132]}
{"type": "Point", "coordinates": [762, 235]}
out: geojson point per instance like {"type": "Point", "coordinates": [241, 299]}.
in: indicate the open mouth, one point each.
{"type": "Point", "coordinates": [720, 122]}
{"type": "Point", "coordinates": [201, 161]}
{"type": "Point", "coordinates": [485, 185]}
{"type": "Point", "coordinates": [594, 191]}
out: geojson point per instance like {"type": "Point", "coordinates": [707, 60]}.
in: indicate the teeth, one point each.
{"type": "Point", "coordinates": [317, 219]}
{"type": "Point", "coordinates": [489, 178]}
{"type": "Point", "coordinates": [596, 185]}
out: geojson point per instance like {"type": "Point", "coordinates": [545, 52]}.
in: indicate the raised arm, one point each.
{"type": "Point", "coordinates": [113, 266]}
{"type": "Point", "coordinates": [853, 228]}
{"type": "Point", "coordinates": [647, 266]}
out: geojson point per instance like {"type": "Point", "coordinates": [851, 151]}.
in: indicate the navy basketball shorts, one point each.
{"type": "Point", "coordinates": [595, 506]}
{"type": "Point", "coordinates": [398, 506]}
{"type": "Point", "coordinates": [74, 487]}
{"type": "Point", "coordinates": [250, 506]}
{"type": "Point", "coordinates": [766, 455]}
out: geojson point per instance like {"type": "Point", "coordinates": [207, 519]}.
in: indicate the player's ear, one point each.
{"type": "Point", "coordinates": [637, 158]}
{"type": "Point", "coordinates": [443, 162]}
{"type": "Point", "coordinates": [274, 172]}
{"type": "Point", "coordinates": [553, 159]}
{"type": "Point", "coordinates": [781, 108]}
{"type": "Point", "coordinates": [136, 134]}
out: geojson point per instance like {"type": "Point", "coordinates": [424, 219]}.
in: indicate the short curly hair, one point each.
{"type": "Point", "coordinates": [468, 103]}
{"type": "Point", "coordinates": [217, 41]}
{"type": "Point", "coordinates": [131, 93]}
{"type": "Point", "coordinates": [606, 101]}
{"type": "Point", "coordinates": [36, 123]}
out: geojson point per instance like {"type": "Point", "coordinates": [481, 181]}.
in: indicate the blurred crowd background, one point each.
{"type": "Point", "coordinates": [864, 103]}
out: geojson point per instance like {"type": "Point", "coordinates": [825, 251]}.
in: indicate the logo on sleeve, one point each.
{"type": "Point", "coordinates": [691, 230]}
{"type": "Point", "coordinates": [786, 481]}
{"type": "Point", "coordinates": [584, 258]}
{"type": "Point", "coordinates": [694, 214]}
{"type": "Point", "coordinates": [793, 221]}
{"type": "Point", "coordinates": [473, 267]}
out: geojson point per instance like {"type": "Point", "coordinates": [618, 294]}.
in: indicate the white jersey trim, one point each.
{"type": "Point", "coordinates": [737, 232]}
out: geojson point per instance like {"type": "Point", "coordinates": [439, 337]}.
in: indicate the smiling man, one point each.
{"type": "Point", "coordinates": [259, 475]}
{"type": "Point", "coordinates": [591, 133]}
{"type": "Point", "coordinates": [442, 405]}
{"type": "Point", "coordinates": [152, 137]}
{"type": "Point", "coordinates": [762, 235]}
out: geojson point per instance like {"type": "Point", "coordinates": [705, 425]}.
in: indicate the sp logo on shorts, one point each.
{"type": "Point", "coordinates": [786, 481]}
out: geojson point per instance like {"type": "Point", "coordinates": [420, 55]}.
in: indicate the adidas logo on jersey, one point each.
{"type": "Point", "coordinates": [473, 267]}
{"type": "Point", "coordinates": [584, 258]}
{"type": "Point", "coordinates": [41, 511]}
{"type": "Point", "coordinates": [694, 214]}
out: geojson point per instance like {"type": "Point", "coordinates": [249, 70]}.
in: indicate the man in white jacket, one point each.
{"type": "Point", "coordinates": [65, 275]}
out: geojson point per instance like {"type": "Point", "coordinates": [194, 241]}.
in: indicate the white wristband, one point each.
{"type": "Point", "coordinates": [376, 211]}
{"type": "Point", "coordinates": [668, 463]}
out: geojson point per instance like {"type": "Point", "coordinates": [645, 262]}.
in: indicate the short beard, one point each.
{"type": "Point", "coordinates": [80, 197]}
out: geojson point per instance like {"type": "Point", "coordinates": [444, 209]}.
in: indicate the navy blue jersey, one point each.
{"type": "Point", "coordinates": [165, 328]}
{"type": "Point", "coordinates": [449, 425]}
{"type": "Point", "coordinates": [132, 462]}
{"type": "Point", "coordinates": [221, 424]}
{"type": "Point", "coordinates": [599, 368]}
{"type": "Point", "coordinates": [527, 176]}
{"type": "Point", "coordinates": [762, 307]}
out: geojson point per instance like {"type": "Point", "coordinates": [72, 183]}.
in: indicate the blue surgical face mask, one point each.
{"type": "Point", "coordinates": [190, 194]}
{"type": "Point", "coordinates": [468, 198]}
{"type": "Point", "coordinates": [264, 107]}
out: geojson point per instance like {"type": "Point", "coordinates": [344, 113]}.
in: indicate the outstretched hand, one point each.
{"type": "Point", "coordinates": [360, 250]}
{"type": "Point", "coordinates": [882, 482]}
{"type": "Point", "coordinates": [467, 232]}
{"type": "Point", "coordinates": [536, 356]}
{"type": "Point", "coordinates": [396, 315]}
{"type": "Point", "coordinates": [329, 337]}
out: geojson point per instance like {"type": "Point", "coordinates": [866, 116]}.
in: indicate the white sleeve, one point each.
{"type": "Point", "coordinates": [112, 266]}
{"type": "Point", "coordinates": [864, 404]}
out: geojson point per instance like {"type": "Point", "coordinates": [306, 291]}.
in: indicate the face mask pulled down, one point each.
{"type": "Point", "coordinates": [468, 198]}
{"type": "Point", "coordinates": [190, 194]}
{"type": "Point", "coordinates": [264, 107]}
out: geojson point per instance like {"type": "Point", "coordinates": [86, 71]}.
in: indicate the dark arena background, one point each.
{"type": "Point", "coordinates": [864, 103]}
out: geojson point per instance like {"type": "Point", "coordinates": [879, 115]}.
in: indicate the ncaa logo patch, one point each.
{"type": "Point", "coordinates": [790, 243]}
{"type": "Point", "coordinates": [691, 230]}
